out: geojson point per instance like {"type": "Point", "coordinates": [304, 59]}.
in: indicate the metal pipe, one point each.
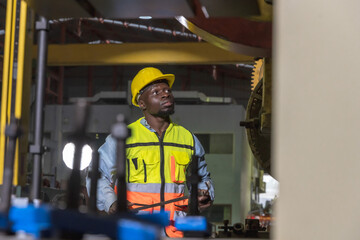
{"type": "Point", "coordinates": [194, 181]}
{"type": "Point", "coordinates": [81, 121]}
{"type": "Point", "coordinates": [120, 132]}
{"type": "Point", "coordinates": [37, 149]}
{"type": "Point", "coordinates": [94, 176]}
{"type": "Point", "coordinates": [12, 131]}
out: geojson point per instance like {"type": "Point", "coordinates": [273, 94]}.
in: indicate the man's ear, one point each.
{"type": "Point", "coordinates": [142, 104]}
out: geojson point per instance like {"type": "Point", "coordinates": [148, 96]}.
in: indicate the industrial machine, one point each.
{"type": "Point", "coordinates": [258, 114]}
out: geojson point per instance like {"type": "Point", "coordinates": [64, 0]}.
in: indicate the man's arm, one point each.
{"type": "Point", "coordinates": [206, 188]}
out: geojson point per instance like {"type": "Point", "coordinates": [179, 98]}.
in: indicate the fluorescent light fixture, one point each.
{"type": "Point", "coordinates": [206, 14]}
{"type": "Point", "coordinates": [145, 17]}
{"type": "Point", "coordinates": [68, 155]}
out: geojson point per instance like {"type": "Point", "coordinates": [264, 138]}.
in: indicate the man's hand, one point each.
{"type": "Point", "coordinates": [204, 199]}
{"type": "Point", "coordinates": [113, 207]}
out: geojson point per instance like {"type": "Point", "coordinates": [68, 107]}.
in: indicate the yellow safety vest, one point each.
{"type": "Point", "coordinates": [157, 166]}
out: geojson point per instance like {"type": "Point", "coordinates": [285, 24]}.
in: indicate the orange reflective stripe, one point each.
{"type": "Point", "coordinates": [143, 198]}
{"type": "Point", "coordinates": [151, 198]}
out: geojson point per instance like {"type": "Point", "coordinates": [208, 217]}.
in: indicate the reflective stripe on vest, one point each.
{"type": "Point", "coordinates": [157, 166]}
{"type": "Point", "coordinates": [155, 187]}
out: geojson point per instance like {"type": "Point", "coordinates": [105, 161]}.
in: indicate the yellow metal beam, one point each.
{"type": "Point", "coordinates": [140, 53]}
{"type": "Point", "coordinates": [23, 89]}
{"type": "Point", "coordinates": [15, 105]}
{"type": "Point", "coordinates": [7, 76]}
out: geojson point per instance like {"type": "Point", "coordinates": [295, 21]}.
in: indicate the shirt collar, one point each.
{"type": "Point", "coordinates": [145, 124]}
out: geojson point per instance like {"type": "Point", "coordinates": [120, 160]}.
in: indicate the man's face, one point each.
{"type": "Point", "coordinates": [157, 100]}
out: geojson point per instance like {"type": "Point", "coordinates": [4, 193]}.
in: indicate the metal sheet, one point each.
{"type": "Point", "coordinates": [136, 8]}
{"type": "Point", "coordinates": [129, 9]}
{"type": "Point", "coordinates": [53, 9]}
{"type": "Point", "coordinates": [140, 53]}
{"type": "Point", "coordinates": [222, 43]}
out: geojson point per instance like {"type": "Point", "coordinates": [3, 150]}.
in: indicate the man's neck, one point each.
{"type": "Point", "coordinates": [159, 124]}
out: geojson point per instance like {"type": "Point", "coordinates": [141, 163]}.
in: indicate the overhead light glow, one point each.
{"type": "Point", "coordinates": [68, 156]}
{"type": "Point", "coordinates": [145, 17]}
{"type": "Point", "coordinates": [206, 14]}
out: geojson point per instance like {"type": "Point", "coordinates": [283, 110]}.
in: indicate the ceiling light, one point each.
{"type": "Point", "coordinates": [145, 17]}
{"type": "Point", "coordinates": [205, 12]}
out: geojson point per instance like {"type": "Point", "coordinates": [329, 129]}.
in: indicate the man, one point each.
{"type": "Point", "coordinates": [158, 154]}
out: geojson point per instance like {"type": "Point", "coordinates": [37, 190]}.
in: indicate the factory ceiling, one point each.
{"type": "Point", "coordinates": [238, 27]}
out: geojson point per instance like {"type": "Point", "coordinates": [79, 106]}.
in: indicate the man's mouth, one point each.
{"type": "Point", "coordinates": [167, 104]}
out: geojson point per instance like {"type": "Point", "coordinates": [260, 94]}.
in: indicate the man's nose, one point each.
{"type": "Point", "coordinates": [165, 94]}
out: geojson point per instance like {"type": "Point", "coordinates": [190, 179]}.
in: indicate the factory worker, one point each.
{"type": "Point", "coordinates": [158, 154]}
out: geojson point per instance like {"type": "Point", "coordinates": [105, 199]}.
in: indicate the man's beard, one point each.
{"type": "Point", "coordinates": [165, 113]}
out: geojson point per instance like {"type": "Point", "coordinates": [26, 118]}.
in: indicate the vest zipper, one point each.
{"type": "Point", "coordinates": [162, 167]}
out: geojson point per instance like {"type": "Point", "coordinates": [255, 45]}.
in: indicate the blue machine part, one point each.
{"type": "Point", "coordinates": [135, 230]}
{"type": "Point", "coordinates": [39, 220]}
{"type": "Point", "coordinates": [191, 223]}
{"type": "Point", "coordinates": [32, 220]}
{"type": "Point", "coordinates": [4, 223]}
{"type": "Point", "coordinates": [161, 218]}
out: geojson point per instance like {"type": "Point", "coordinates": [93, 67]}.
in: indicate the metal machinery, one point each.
{"type": "Point", "coordinates": [258, 114]}
{"type": "Point", "coordinates": [42, 220]}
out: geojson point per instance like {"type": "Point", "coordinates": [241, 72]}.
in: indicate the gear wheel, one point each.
{"type": "Point", "coordinates": [258, 142]}
{"type": "Point", "coordinates": [258, 73]}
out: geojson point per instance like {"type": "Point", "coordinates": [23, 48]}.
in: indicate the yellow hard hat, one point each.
{"type": "Point", "coordinates": [146, 76]}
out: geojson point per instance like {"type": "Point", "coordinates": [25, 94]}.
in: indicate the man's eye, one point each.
{"type": "Point", "coordinates": [155, 92]}
{"type": "Point", "coordinates": [168, 90]}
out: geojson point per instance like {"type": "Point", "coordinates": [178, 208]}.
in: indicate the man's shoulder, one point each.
{"type": "Point", "coordinates": [135, 123]}
{"type": "Point", "coordinates": [180, 127]}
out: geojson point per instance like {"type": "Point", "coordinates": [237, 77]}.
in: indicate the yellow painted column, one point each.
{"type": "Point", "coordinates": [13, 73]}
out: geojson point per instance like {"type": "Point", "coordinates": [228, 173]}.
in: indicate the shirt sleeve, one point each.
{"type": "Point", "coordinates": [105, 192]}
{"type": "Point", "coordinates": [206, 182]}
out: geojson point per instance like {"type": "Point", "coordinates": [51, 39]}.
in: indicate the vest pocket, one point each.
{"type": "Point", "coordinates": [135, 170]}
{"type": "Point", "coordinates": [151, 169]}
{"type": "Point", "coordinates": [139, 169]}
{"type": "Point", "coordinates": [178, 165]}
